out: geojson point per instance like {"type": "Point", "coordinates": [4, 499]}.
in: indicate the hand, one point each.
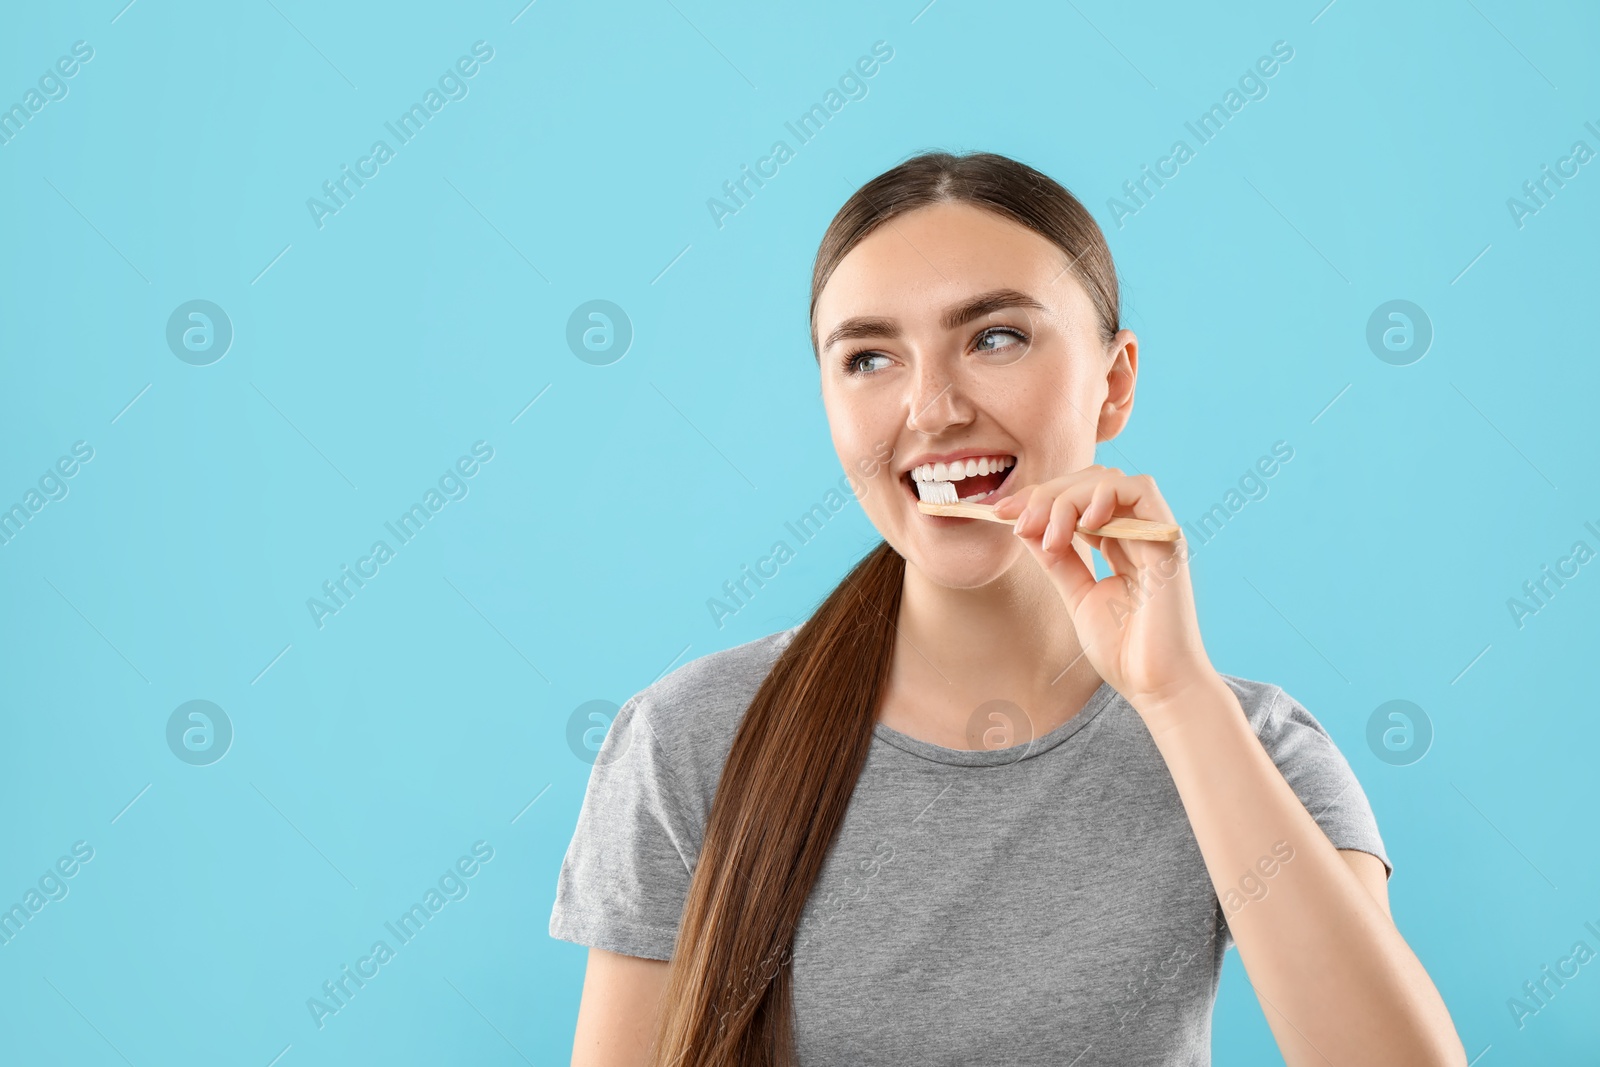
{"type": "Point", "coordinates": [1138, 626]}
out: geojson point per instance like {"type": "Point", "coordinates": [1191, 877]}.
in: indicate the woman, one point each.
{"type": "Point", "coordinates": [980, 808]}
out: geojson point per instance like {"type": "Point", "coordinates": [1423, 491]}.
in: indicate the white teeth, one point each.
{"type": "Point", "coordinates": [943, 493]}
{"type": "Point", "coordinates": [954, 472]}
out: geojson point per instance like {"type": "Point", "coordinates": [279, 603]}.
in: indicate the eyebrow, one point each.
{"type": "Point", "coordinates": [955, 315]}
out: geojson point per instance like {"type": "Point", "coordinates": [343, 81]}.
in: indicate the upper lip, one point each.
{"type": "Point", "coordinates": [951, 457]}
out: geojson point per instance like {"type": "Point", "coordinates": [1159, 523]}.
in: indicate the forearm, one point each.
{"type": "Point", "coordinates": [1336, 979]}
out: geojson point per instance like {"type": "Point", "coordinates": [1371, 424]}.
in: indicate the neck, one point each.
{"type": "Point", "coordinates": [1012, 640]}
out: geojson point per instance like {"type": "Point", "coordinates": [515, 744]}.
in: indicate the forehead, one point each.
{"type": "Point", "coordinates": [917, 264]}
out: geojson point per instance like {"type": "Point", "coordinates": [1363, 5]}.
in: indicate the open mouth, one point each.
{"type": "Point", "coordinates": [976, 480]}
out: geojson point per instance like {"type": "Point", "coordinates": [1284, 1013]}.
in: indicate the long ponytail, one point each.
{"type": "Point", "coordinates": [782, 796]}
{"type": "Point", "coordinates": [803, 741]}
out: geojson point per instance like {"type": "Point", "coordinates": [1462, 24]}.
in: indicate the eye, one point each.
{"type": "Point", "coordinates": [1018, 341]}
{"type": "Point", "coordinates": [851, 362]}
{"type": "Point", "coordinates": [994, 332]}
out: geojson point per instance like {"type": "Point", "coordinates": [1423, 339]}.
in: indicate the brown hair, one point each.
{"type": "Point", "coordinates": [803, 740]}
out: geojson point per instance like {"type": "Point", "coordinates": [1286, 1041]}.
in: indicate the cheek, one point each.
{"type": "Point", "coordinates": [858, 433]}
{"type": "Point", "coordinates": [1055, 440]}
{"type": "Point", "coordinates": [870, 467]}
{"type": "Point", "coordinates": [855, 459]}
{"type": "Point", "coordinates": [1031, 409]}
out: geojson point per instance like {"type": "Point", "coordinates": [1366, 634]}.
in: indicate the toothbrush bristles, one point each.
{"type": "Point", "coordinates": [937, 492]}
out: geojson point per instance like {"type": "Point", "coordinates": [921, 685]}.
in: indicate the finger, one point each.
{"type": "Point", "coordinates": [1102, 500]}
{"type": "Point", "coordinates": [1014, 502]}
{"type": "Point", "coordinates": [1063, 523]}
{"type": "Point", "coordinates": [1129, 493]}
{"type": "Point", "coordinates": [1035, 513]}
{"type": "Point", "coordinates": [1072, 495]}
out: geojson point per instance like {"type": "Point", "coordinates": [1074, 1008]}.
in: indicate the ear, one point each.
{"type": "Point", "coordinates": [1122, 372]}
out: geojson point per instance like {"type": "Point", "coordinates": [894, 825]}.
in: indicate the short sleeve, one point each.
{"type": "Point", "coordinates": [626, 873]}
{"type": "Point", "coordinates": [1315, 769]}
{"type": "Point", "coordinates": [1320, 775]}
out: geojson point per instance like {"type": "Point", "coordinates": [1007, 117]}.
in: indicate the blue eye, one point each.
{"type": "Point", "coordinates": [850, 364]}
{"type": "Point", "coordinates": [850, 361]}
{"type": "Point", "coordinates": [1021, 338]}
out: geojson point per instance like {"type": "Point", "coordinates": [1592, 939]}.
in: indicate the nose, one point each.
{"type": "Point", "coordinates": [936, 402]}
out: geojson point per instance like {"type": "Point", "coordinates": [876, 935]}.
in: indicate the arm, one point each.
{"type": "Point", "coordinates": [617, 1012]}
{"type": "Point", "coordinates": [1336, 980]}
{"type": "Point", "coordinates": [1369, 869]}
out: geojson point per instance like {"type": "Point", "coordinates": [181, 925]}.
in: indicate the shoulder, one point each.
{"type": "Point", "coordinates": [1298, 743]}
{"type": "Point", "coordinates": [1310, 760]}
{"type": "Point", "coordinates": [693, 711]}
{"type": "Point", "coordinates": [1268, 707]}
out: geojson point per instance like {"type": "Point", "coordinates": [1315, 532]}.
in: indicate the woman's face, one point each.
{"type": "Point", "coordinates": [938, 374]}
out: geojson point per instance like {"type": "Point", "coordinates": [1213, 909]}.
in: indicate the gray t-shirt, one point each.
{"type": "Point", "coordinates": [1045, 903]}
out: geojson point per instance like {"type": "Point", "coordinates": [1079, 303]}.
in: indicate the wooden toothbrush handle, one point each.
{"type": "Point", "coordinates": [1124, 529]}
{"type": "Point", "coordinates": [1127, 529]}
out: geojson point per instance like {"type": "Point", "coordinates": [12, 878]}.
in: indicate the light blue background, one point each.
{"type": "Point", "coordinates": [432, 310]}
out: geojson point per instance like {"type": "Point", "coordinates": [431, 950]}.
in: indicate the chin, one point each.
{"type": "Point", "coordinates": [965, 569]}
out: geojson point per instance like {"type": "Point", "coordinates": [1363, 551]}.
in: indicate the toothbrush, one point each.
{"type": "Point", "coordinates": [939, 498]}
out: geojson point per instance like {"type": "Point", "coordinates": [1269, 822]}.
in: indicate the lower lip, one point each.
{"type": "Point", "coordinates": [999, 491]}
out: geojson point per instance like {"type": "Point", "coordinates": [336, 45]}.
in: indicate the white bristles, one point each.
{"type": "Point", "coordinates": [937, 492]}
